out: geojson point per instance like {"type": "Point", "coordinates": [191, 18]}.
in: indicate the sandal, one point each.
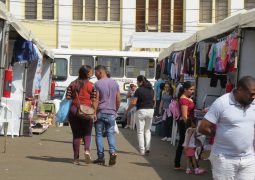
{"type": "Point", "coordinates": [87, 158]}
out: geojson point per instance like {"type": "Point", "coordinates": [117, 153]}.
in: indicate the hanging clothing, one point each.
{"type": "Point", "coordinates": [23, 51]}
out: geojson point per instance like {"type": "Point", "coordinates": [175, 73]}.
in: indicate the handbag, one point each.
{"type": "Point", "coordinates": [85, 111]}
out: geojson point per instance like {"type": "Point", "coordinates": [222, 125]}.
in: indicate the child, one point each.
{"type": "Point", "coordinates": [190, 149]}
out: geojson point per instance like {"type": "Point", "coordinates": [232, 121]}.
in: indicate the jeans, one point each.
{"type": "Point", "coordinates": [107, 122]}
{"type": "Point", "coordinates": [229, 168]}
{"type": "Point", "coordinates": [143, 125]}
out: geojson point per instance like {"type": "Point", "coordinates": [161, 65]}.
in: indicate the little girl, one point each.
{"type": "Point", "coordinates": [190, 149]}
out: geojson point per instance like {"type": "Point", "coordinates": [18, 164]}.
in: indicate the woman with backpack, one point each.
{"type": "Point", "coordinates": [187, 107]}
{"type": "Point", "coordinates": [81, 92]}
{"type": "Point", "coordinates": [167, 96]}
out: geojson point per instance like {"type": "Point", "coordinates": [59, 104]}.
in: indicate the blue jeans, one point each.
{"type": "Point", "coordinates": [107, 122]}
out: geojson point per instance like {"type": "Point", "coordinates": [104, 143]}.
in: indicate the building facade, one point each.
{"type": "Point", "coordinates": [119, 24]}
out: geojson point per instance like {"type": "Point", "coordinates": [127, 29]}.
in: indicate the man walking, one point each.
{"type": "Point", "coordinates": [108, 96]}
{"type": "Point", "coordinates": [232, 155]}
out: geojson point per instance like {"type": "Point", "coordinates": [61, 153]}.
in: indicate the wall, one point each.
{"type": "Point", "coordinates": [247, 62]}
{"type": "Point", "coordinates": [95, 36]}
{"type": "Point", "coordinates": [203, 88]}
{"type": "Point", "coordinates": [128, 20]}
{"type": "Point", "coordinates": [45, 31]}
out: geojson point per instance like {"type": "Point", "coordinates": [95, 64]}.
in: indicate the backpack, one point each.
{"type": "Point", "coordinates": [174, 108]}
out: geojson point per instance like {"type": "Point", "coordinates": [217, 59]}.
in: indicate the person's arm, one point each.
{"type": "Point", "coordinates": [117, 101]}
{"type": "Point", "coordinates": [161, 107]}
{"type": "Point", "coordinates": [132, 104]}
{"type": "Point", "coordinates": [184, 113]}
{"type": "Point", "coordinates": [207, 128]}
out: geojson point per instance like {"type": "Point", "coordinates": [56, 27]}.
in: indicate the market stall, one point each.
{"type": "Point", "coordinates": [29, 61]}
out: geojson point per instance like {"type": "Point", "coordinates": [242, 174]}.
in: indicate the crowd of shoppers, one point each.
{"type": "Point", "coordinates": [230, 120]}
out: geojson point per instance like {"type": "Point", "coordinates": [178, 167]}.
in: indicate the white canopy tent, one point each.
{"type": "Point", "coordinates": [242, 20]}
{"type": "Point", "coordinates": [23, 73]}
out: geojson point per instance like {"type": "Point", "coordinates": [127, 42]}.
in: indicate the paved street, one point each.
{"type": "Point", "coordinates": [49, 157]}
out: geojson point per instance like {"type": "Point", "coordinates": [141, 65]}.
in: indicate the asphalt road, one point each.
{"type": "Point", "coordinates": [49, 157]}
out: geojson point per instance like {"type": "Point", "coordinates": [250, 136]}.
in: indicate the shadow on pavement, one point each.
{"type": "Point", "coordinates": [57, 141]}
{"type": "Point", "coordinates": [51, 159]}
{"type": "Point", "coordinates": [161, 158]}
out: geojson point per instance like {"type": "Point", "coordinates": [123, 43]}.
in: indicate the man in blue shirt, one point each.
{"type": "Point", "coordinates": [157, 90]}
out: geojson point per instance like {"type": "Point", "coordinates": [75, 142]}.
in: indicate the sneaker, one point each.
{"type": "Point", "coordinates": [199, 171]}
{"type": "Point", "coordinates": [112, 160]}
{"type": "Point", "coordinates": [99, 161]}
{"type": "Point", "coordinates": [169, 139]}
{"type": "Point", "coordinates": [142, 153]}
{"type": "Point", "coordinates": [127, 126]}
{"type": "Point", "coordinates": [188, 171]}
{"type": "Point", "coordinates": [147, 152]}
{"type": "Point", "coordinates": [164, 139]}
{"type": "Point", "coordinates": [87, 158]}
{"type": "Point", "coordinates": [76, 162]}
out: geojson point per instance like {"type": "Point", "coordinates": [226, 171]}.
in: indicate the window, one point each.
{"type": "Point", "coordinates": [59, 69]}
{"type": "Point", "coordinates": [48, 9]}
{"type": "Point", "coordinates": [221, 10]}
{"type": "Point", "coordinates": [31, 9]}
{"type": "Point", "coordinates": [77, 9]}
{"type": "Point", "coordinates": [90, 10]}
{"type": "Point", "coordinates": [115, 10]}
{"type": "Point", "coordinates": [115, 65]}
{"type": "Point", "coordinates": [77, 61]}
{"type": "Point", "coordinates": [178, 16]}
{"type": "Point", "coordinates": [102, 10]}
{"type": "Point", "coordinates": [205, 11]}
{"type": "Point", "coordinates": [140, 16]}
{"type": "Point", "coordinates": [140, 66]}
{"type": "Point", "coordinates": [249, 4]}
{"type": "Point", "coordinates": [166, 16]}
{"type": "Point", "coordinates": [153, 16]}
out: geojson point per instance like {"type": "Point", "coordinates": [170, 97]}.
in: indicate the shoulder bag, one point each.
{"type": "Point", "coordinates": [84, 111]}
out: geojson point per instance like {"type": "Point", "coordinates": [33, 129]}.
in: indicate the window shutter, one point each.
{"type": "Point", "coordinates": [77, 9]}
{"type": "Point", "coordinates": [31, 9]}
{"type": "Point", "coordinates": [48, 9]}
{"type": "Point", "coordinates": [90, 10]}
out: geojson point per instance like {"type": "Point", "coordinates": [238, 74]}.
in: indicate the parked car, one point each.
{"type": "Point", "coordinates": [121, 119]}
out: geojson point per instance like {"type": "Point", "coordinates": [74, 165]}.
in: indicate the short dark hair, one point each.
{"type": "Point", "coordinates": [101, 68]}
{"type": "Point", "coordinates": [245, 82]}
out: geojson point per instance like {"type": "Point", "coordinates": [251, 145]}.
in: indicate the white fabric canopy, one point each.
{"type": "Point", "coordinates": [26, 34]}
{"type": "Point", "coordinates": [242, 20]}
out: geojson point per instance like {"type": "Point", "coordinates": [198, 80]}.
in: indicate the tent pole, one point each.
{"type": "Point", "coordinates": [4, 53]}
{"type": "Point", "coordinates": [240, 42]}
{"type": "Point", "coordinates": [21, 132]}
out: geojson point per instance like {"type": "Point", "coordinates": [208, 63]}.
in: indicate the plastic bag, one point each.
{"type": "Point", "coordinates": [116, 129]}
{"type": "Point", "coordinates": [63, 110]}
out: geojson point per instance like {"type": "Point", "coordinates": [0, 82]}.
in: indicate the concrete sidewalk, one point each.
{"type": "Point", "coordinates": [49, 157]}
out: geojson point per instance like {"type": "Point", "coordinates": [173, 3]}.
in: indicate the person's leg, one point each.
{"type": "Point", "coordinates": [140, 123]}
{"type": "Point", "coordinates": [246, 170]}
{"type": "Point", "coordinates": [178, 154]}
{"type": "Point", "coordinates": [74, 123]}
{"type": "Point", "coordinates": [169, 124]}
{"type": "Point", "coordinates": [224, 169]}
{"type": "Point", "coordinates": [87, 131]}
{"type": "Point", "coordinates": [109, 126]}
{"type": "Point", "coordinates": [99, 127]}
{"type": "Point", "coordinates": [148, 113]}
